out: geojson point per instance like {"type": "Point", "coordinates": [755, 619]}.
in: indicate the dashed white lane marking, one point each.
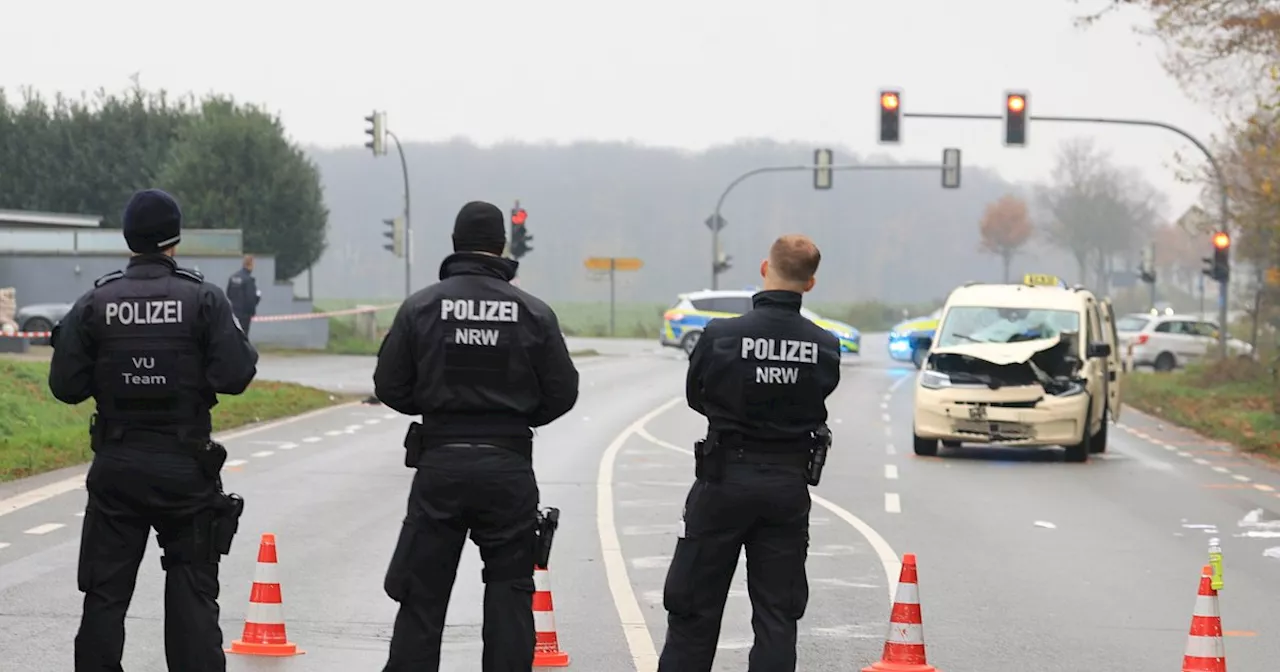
{"type": "Point", "coordinates": [77, 482]}
{"type": "Point", "coordinates": [1263, 487]}
{"type": "Point", "coordinates": [888, 558]}
{"type": "Point", "coordinates": [45, 529]}
{"type": "Point", "coordinates": [391, 416]}
{"type": "Point", "coordinates": [884, 406]}
{"type": "Point", "coordinates": [287, 446]}
{"type": "Point", "coordinates": [1242, 479]}
{"type": "Point", "coordinates": [352, 428]}
{"type": "Point", "coordinates": [3, 545]}
{"type": "Point", "coordinates": [235, 463]}
{"type": "Point", "coordinates": [1198, 460]}
{"type": "Point", "coordinates": [263, 453]}
{"type": "Point", "coordinates": [892, 503]}
{"type": "Point", "coordinates": [890, 449]}
{"type": "Point", "coordinates": [333, 432]}
{"type": "Point", "coordinates": [311, 439]}
{"type": "Point", "coordinates": [1222, 470]}
{"type": "Point", "coordinates": [79, 514]}
{"type": "Point", "coordinates": [885, 417]}
{"type": "Point", "coordinates": [1201, 460]}
{"type": "Point", "coordinates": [1183, 453]}
{"type": "Point", "coordinates": [888, 431]}
{"type": "Point", "coordinates": [372, 421]}
{"type": "Point", "coordinates": [890, 471]}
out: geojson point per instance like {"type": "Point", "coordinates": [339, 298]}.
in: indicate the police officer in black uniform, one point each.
{"type": "Point", "coordinates": [153, 345]}
{"type": "Point", "coordinates": [761, 380]}
{"type": "Point", "coordinates": [482, 362]}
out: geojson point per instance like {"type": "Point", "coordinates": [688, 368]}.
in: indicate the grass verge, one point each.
{"type": "Point", "coordinates": [1234, 401]}
{"type": "Point", "coordinates": [38, 433]}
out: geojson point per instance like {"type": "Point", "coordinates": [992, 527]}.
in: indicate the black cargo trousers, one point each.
{"type": "Point", "coordinates": [764, 507]}
{"type": "Point", "coordinates": [490, 492]}
{"type": "Point", "coordinates": [140, 481]}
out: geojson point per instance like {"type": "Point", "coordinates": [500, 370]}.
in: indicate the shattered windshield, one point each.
{"type": "Point", "coordinates": [977, 324]}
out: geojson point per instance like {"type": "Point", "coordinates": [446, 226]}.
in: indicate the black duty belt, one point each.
{"type": "Point", "coordinates": [524, 450]}
{"type": "Point", "coordinates": [791, 458]}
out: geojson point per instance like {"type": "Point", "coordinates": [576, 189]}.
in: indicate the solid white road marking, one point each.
{"type": "Point", "coordinates": [52, 490]}
{"type": "Point", "coordinates": [235, 463]}
{"type": "Point", "coordinates": [890, 471]}
{"type": "Point", "coordinates": [892, 502]}
{"type": "Point", "coordinates": [643, 653]}
{"type": "Point", "coordinates": [888, 558]}
{"type": "Point", "coordinates": [45, 529]}
{"type": "Point", "coordinates": [263, 453]}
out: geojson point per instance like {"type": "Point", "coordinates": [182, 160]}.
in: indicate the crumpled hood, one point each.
{"type": "Point", "coordinates": [1001, 354]}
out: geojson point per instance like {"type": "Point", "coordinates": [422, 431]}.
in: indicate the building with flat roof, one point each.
{"type": "Point", "coordinates": [54, 258]}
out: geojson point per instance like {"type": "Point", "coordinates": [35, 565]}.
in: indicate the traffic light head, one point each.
{"type": "Point", "coordinates": [1219, 266]}
{"type": "Point", "coordinates": [890, 115]}
{"type": "Point", "coordinates": [518, 217]}
{"type": "Point", "coordinates": [1221, 240]}
{"type": "Point", "coordinates": [1015, 120]}
{"type": "Point", "coordinates": [520, 237]}
{"type": "Point", "coordinates": [376, 132]}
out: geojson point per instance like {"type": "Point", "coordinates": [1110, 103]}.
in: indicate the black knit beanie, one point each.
{"type": "Point", "coordinates": [479, 227]}
{"type": "Point", "coordinates": [152, 221]}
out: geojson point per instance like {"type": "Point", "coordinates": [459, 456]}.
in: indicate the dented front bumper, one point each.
{"type": "Point", "coordinates": [1017, 416]}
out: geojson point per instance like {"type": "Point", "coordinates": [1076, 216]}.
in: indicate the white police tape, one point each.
{"type": "Point", "coordinates": [6, 333]}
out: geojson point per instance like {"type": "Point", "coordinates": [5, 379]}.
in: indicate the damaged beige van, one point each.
{"type": "Point", "coordinates": [1031, 364]}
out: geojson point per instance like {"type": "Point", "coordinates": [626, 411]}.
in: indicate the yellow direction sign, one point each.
{"type": "Point", "coordinates": [614, 264]}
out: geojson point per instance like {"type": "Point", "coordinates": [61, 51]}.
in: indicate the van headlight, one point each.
{"type": "Point", "coordinates": [934, 380]}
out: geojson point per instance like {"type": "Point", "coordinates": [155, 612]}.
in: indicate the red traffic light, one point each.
{"type": "Point", "coordinates": [889, 100]}
{"type": "Point", "coordinates": [1221, 240]}
{"type": "Point", "coordinates": [1017, 103]}
{"type": "Point", "coordinates": [518, 217]}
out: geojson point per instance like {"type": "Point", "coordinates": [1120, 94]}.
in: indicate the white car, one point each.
{"type": "Point", "coordinates": [1166, 342]}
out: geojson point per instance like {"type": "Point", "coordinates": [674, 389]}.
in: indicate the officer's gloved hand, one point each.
{"type": "Point", "coordinates": [53, 335]}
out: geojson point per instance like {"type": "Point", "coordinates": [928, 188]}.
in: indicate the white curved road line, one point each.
{"type": "Point", "coordinates": [640, 642]}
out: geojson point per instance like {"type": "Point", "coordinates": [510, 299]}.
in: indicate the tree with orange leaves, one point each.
{"type": "Point", "coordinates": [1005, 229]}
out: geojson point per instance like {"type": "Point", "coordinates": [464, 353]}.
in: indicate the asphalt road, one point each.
{"type": "Point", "coordinates": [1025, 562]}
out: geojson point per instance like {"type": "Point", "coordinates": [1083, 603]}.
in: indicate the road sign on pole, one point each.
{"type": "Point", "coordinates": [951, 168]}
{"type": "Point", "coordinates": [715, 222]}
{"type": "Point", "coordinates": [613, 265]}
{"type": "Point", "coordinates": [822, 175]}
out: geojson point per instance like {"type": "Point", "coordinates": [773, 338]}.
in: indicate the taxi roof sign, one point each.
{"type": "Point", "coordinates": [1043, 280]}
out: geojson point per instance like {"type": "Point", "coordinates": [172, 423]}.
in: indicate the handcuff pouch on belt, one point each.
{"type": "Point", "coordinates": [818, 455]}
{"type": "Point", "coordinates": [414, 445]}
{"type": "Point", "coordinates": [548, 522]}
{"type": "Point", "coordinates": [708, 458]}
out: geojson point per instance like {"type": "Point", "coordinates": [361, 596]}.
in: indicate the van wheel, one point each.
{"type": "Point", "coordinates": [1165, 362]}
{"type": "Point", "coordinates": [689, 341]}
{"type": "Point", "coordinates": [1099, 442]}
{"type": "Point", "coordinates": [924, 447]}
{"type": "Point", "coordinates": [1079, 452]}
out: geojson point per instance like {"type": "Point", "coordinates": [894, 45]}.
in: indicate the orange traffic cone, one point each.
{"type": "Point", "coordinates": [904, 645]}
{"type": "Point", "coordinates": [264, 623]}
{"type": "Point", "coordinates": [1205, 651]}
{"type": "Point", "coordinates": [546, 651]}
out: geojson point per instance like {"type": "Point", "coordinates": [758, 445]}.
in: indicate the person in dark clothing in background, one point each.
{"type": "Point", "coordinates": [482, 362]}
{"type": "Point", "coordinates": [153, 345]}
{"type": "Point", "coordinates": [761, 380]}
{"type": "Point", "coordinates": [243, 292]}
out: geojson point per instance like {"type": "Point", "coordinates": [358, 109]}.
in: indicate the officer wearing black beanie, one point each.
{"type": "Point", "coordinates": [482, 362]}
{"type": "Point", "coordinates": [138, 343]}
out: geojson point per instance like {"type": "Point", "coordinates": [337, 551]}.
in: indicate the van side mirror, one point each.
{"type": "Point", "coordinates": [1099, 350]}
{"type": "Point", "coordinates": [924, 343]}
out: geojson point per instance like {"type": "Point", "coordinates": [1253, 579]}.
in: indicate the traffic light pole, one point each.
{"type": "Point", "coordinates": [715, 232]}
{"type": "Point", "coordinates": [1223, 286]}
{"type": "Point", "coordinates": [408, 228]}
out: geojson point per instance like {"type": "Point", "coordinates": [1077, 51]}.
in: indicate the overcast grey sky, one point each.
{"type": "Point", "coordinates": [688, 74]}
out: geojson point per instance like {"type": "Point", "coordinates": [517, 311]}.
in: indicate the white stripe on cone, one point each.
{"type": "Point", "coordinates": [1206, 605]}
{"type": "Point", "coordinates": [541, 582]}
{"type": "Point", "coordinates": [1205, 647]}
{"type": "Point", "coordinates": [544, 621]}
{"type": "Point", "coordinates": [908, 593]}
{"type": "Point", "coordinates": [267, 573]}
{"type": "Point", "coordinates": [906, 633]}
{"type": "Point", "coordinates": [265, 614]}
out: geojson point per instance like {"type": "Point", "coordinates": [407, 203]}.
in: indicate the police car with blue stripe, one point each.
{"type": "Point", "coordinates": [683, 322]}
